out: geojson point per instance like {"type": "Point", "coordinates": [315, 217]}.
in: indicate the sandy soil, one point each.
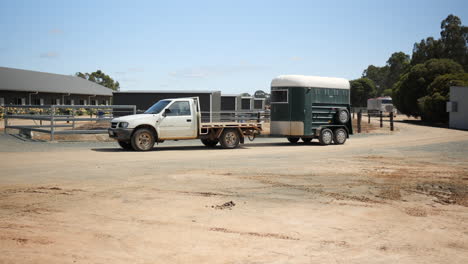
{"type": "Point", "coordinates": [397, 197]}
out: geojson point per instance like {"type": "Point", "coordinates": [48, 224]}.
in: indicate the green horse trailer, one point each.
{"type": "Point", "coordinates": [308, 107]}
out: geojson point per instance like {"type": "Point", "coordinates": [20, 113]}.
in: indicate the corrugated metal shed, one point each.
{"type": "Point", "coordinates": [32, 81]}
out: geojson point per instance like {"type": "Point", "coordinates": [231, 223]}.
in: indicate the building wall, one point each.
{"type": "Point", "coordinates": [459, 119]}
{"type": "Point", "coordinates": [14, 97]}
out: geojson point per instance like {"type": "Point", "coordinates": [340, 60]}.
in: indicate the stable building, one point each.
{"type": "Point", "coordinates": [24, 87]}
{"type": "Point", "coordinates": [210, 101]}
{"type": "Point", "coordinates": [458, 107]}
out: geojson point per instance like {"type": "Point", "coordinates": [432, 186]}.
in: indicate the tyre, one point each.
{"type": "Point", "coordinates": [143, 139]}
{"type": "Point", "coordinates": [326, 136]}
{"type": "Point", "coordinates": [340, 136]}
{"type": "Point", "coordinates": [342, 116]}
{"type": "Point", "coordinates": [125, 145]}
{"type": "Point", "coordinates": [293, 140]}
{"type": "Point", "coordinates": [209, 143]}
{"type": "Point", "coordinates": [229, 138]}
{"type": "Point", "coordinates": [307, 140]}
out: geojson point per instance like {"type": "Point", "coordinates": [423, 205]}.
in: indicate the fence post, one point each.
{"type": "Point", "coordinates": [391, 121]}
{"type": "Point", "coordinates": [353, 111]}
{"type": "Point", "coordinates": [381, 119]}
{"type": "Point", "coordinates": [359, 121]}
{"type": "Point", "coordinates": [134, 109]}
{"type": "Point", "coordinates": [368, 117]}
{"type": "Point", "coordinates": [5, 118]}
{"type": "Point", "coordinates": [258, 117]}
{"type": "Point", "coordinates": [52, 122]}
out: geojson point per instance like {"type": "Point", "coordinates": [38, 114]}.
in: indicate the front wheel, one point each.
{"type": "Point", "coordinates": [293, 140]}
{"type": "Point", "coordinates": [143, 139]}
{"type": "Point", "coordinates": [229, 139]}
{"type": "Point", "coordinates": [125, 145]}
{"type": "Point", "coordinates": [340, 136]}
{"type": "Point", "coordinates": [326, 136]}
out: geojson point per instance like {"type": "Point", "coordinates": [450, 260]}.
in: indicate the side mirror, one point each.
{"type": "Point", "coordinates": [166, 111]}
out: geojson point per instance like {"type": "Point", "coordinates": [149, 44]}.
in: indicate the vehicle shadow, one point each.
{"type": "Point", "coordinates": [193, 148]}
{"type": "Point", "coordinates": [422, 123]}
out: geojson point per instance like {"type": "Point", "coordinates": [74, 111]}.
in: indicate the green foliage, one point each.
{"type": "Point", "coordinates": [414, 84]}
{"type": "Point", "coordinates": [442, 83]}
{"type": "Point", "coordinates": [101, 78]}
{"type": "Point", "coordinates": [378, 75]}
{"type": "Point", "coordinates": [388, 92]}
{"type": "Point", "coordinates": [385, 77]}
{"type": "Point", "coordinates": [361, 90]}
{"type": "Point", "coordinates": [451, 45]}
{"type": "Point", "coordinates": [433, 108]}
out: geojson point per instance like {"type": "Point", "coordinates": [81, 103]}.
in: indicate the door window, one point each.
{"type": "Point", "coordinates": [181, 108]}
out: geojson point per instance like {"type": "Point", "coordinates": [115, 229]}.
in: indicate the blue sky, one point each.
{"type": "Point", "coordinates": [232, 46]}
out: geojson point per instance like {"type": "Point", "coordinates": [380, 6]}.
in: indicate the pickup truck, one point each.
{"type": "Point", "coordinates": [177, 119]}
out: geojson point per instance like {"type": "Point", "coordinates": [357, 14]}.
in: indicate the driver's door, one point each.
{"type": "Point", "coordinates": [178, 122]}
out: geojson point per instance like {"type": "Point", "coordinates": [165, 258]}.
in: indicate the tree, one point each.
{"type": "Point", "coordinates": [454, 37]}
{"type": "Point", "coordinates": [398, 63]}
{"type": "Point", "coordinates": [427, 49]}
{"type": "Point", "coordinates": [361, 90]}
{"type": "Point", "coordinates": [100, 78]}
{"type": "Point", "coordinates": [433, 105]}
{"type": "Point", "coordinates": [262, 94]}
{"type": "Point", "coordinates": [451, 45]}
{"type": "Point", "coordinates": [414, 84]}
{"type": "Point", "coordinates": [385, 77]}
{"type": "Point", "coordinates": [378, 75]}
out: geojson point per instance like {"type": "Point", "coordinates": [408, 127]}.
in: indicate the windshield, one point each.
{"type": "Point", "coordinates": [387, 101]}
{"type": "Point", "coordinates": [157, 107]}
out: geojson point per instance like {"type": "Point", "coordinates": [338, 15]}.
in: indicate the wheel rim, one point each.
{"type": "Point", "coordinates": [144, 141]}
{"type": "Point", "coordinates": [327, 137]}
{"type": "Point", "coordinates": [340, 136]}
{"type": "Point", "coordinates": [230, 138]}
{"type": "Point", "coordinates": [343, 116]}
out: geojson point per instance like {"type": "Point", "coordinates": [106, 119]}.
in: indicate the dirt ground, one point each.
{"type": "Point", "coordinates": [383, 197]}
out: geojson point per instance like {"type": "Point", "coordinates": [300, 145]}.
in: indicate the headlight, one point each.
{"type": "Point", "coordinates": [123, 124]}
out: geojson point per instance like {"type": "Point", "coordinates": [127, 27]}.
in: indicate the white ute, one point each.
{"type": "Point", "coordinates": [177, 119]}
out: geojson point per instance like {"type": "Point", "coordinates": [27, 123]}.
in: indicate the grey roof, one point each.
{"type": "Point", "coordinates": [33, 81]}
{"type": "Point", "coordinates": [169, 91]}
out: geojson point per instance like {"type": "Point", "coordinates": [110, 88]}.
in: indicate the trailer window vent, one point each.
{"type": "Point", "coordinates": [279, 96]}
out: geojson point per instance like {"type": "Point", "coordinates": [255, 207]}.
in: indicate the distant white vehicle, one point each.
{"type": "Point", "coordinates": [384, 104]}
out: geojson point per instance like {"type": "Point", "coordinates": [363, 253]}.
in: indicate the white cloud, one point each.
{"type": "Point", "coordinates": [49, 55]}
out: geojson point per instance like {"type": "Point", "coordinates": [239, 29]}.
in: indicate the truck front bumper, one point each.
{"type": "Point", "coordinates": [121, 134]}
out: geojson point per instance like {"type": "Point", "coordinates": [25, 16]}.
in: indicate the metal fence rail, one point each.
{"type": "Point", "coordinates": [70, 114]}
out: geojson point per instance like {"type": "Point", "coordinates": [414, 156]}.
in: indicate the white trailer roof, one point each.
{"type": "Point", "coordinates": [309, 81]}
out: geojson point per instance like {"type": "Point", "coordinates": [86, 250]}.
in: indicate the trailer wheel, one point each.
{"type": "Point", "coordinates": [307, 140]}
{"type": "Point", "coordinates": [293, 140]}
{"type": "Point", "coordinates": [209, 143]}
{"type": "Point", "coordinates": [143, 139]}
{"type": "Point", "coordinates": [125, 145]}
{"type": "Point", "coordinates": [342, 116]}
{"type": "Point", "coordinates": [326, 136]}
{"type": "Point", "coordinates": [340, 136]}
{"type": "Point", "coordinates": [230, 138]}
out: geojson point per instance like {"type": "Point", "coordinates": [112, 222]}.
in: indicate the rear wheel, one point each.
{"type": "Point", "coordinates": [342, 116]}
{"type": "Point", "coordinates": [326, 136]}
{"type": "Point", "coordinates": [340, 136]}
{"type": "Point", "coordinates": [293, 140]}
{"type": "Point", "coordinates": [125, 145]}
{"type": "Point", "coordinates": [209, 143]}
{"type": "Point", "coordinates": [230, 139]}
{"type": "Point", "coordinates": [307, 140]}
{"type": "Point", "coordinates": [143, 139]}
